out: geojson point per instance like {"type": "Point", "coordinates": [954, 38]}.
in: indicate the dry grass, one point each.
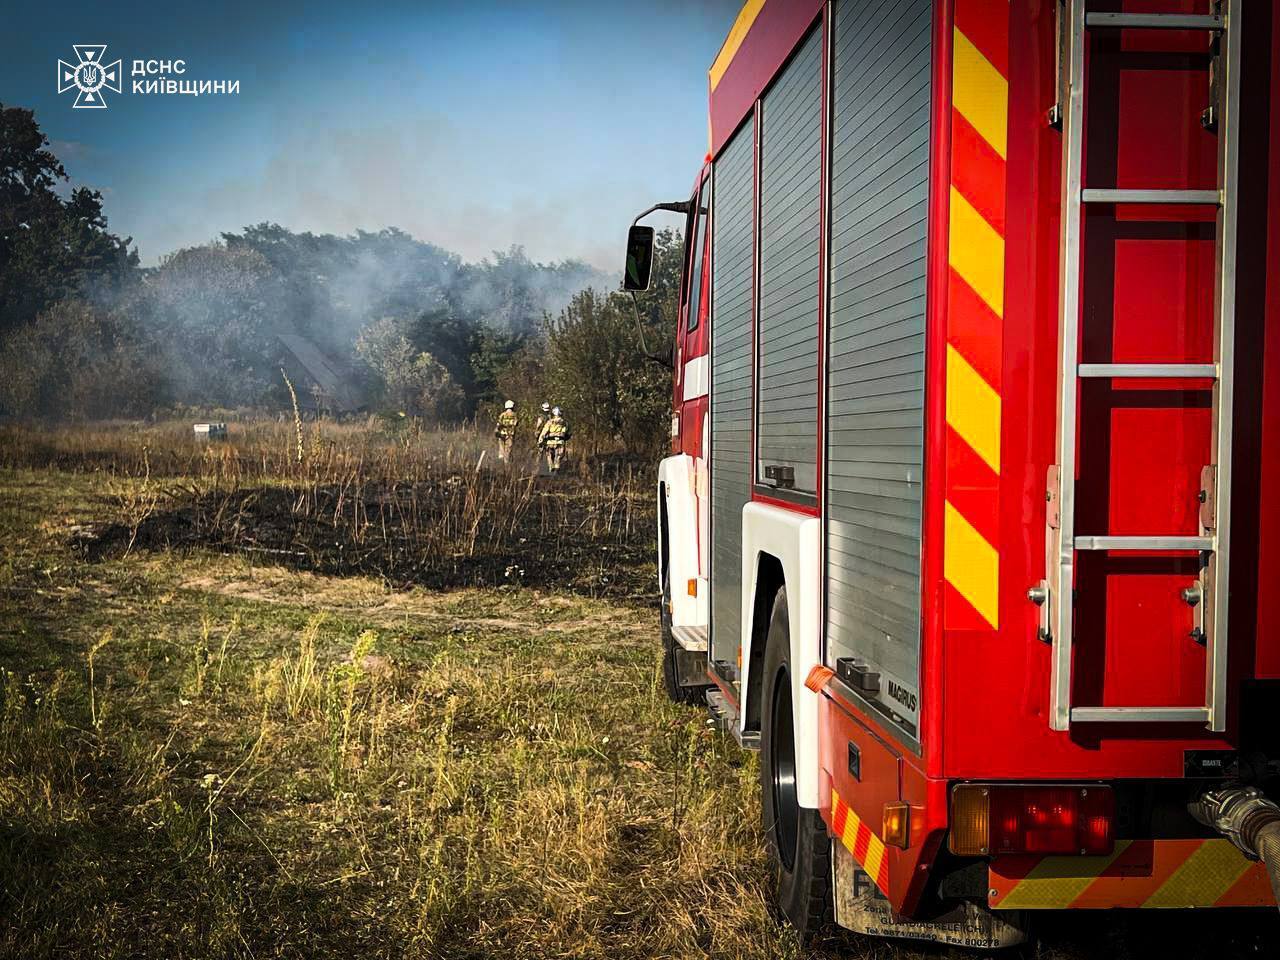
{"type": "Point", "coordinates": [409, 505]}
{"type": "Point", "coordinates": [258, 449]}
{"type": "Point", "coordinates": [201, 756]}
{"type": "Point", "coordinates": [205, 756]}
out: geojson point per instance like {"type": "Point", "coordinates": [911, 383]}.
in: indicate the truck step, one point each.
{"type": "Point", "coordinates": [693, 639]}
{"type": "Point", "coordinates": [724, 714]}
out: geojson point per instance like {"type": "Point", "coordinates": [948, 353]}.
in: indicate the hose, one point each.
{"type": "Point", "coordinates": [1269, 854]}
{"type": "Point", "coordinates": [1248, 819]}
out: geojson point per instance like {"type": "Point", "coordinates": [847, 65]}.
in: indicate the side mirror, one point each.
{"type": "Point", "coordinates": [639, 258]}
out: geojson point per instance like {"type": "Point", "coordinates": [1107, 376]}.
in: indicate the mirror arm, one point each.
{"type": "Point", "coordinates": [676, 206]}
{"type": "Point", "coordinates": [644, 347]}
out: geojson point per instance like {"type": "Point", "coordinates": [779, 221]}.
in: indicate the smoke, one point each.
{"type": "Point", "coordinates": [217, 311]}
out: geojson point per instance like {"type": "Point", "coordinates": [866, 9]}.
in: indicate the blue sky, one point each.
{"type": "Point", "coordinates": [471, 125]}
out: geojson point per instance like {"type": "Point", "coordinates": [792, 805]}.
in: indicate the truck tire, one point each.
{"type": "Point", "coordinates": [670, 670]}
{"type": "Point", "coordinates": [796, 838]}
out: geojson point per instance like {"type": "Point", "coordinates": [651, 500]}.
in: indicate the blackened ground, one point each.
{"type": "Point", "coordinates": [458, 531]}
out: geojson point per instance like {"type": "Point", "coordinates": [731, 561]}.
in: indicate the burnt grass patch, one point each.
{"type": "Point", "coordinates": [485, 529]}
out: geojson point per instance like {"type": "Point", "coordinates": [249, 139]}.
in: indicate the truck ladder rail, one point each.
{"type": "Point", "coordinates": [1155, 544]}
{"type": "Point", "coordinates": [1129, 195]}
{"type": "Point", "coordinates": [1208, 597]}
{"type": "Point", "coordinates": [1101, 20]}
{"type": "Point", "coordinates": [1192, 371]}
{"type": "Point", "coordinates": [1140, 714]}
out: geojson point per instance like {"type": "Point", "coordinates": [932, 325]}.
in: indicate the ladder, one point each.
{"type": "Point", "coordinates": [1208, 596]}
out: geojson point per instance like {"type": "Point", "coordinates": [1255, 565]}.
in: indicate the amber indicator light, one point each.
{"type": "Point", "coordinates": [896, 830]}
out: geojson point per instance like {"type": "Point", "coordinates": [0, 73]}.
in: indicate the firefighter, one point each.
{"type": "Point", "coordinates": [505, 431]}
{"type": "Point", "coordinates": [543, 417]}
{"type": "Point", "coordinates": [552, 438]}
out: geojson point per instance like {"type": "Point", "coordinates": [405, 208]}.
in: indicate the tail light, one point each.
{"type": "Point", "coordinates": [989, 819]}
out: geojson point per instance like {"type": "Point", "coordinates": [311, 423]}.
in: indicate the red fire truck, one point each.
{"type": "Point", "coordinates": [967, 520]}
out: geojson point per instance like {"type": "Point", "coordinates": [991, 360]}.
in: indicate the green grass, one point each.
{"type": "Point", "coordinates": [201, 756]}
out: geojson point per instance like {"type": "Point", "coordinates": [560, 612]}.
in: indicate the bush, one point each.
{"type": "Point", "coordinates": [78, 361]}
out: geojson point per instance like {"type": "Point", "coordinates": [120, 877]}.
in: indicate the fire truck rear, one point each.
{"type": "Point", "coordinates": [967, 518]}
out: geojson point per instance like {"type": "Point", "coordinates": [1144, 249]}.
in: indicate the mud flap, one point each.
{"type": "Point", "coordinates": [691, 667]}
{"type": "Point", "coordinates": [862, 908]}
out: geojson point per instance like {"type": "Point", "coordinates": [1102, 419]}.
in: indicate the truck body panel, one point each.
{"type": "Point", "coordinates": [886, 272]}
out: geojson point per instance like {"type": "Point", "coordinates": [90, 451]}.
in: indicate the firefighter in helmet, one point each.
{"type": "Point", "coordinates": [552, 439]}
{"type": "Point", "coordinates": [543, 416]}
{"type": "Point", "coordinates": [505, 430]}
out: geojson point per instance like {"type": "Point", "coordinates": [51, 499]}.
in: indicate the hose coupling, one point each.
{"type": "Point", "coordinates": [1238, 813]}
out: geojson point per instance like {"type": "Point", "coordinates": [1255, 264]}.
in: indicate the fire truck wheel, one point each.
{"type": "Point", "coordinates": [670, 669]}
{"type": "Point", "coordinates": [799, 848]}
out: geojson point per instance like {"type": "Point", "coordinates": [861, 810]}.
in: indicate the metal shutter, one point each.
{"type": "Point", "coordinates": [790, 215]}
{"type": "Point", "coordinates": [875, 378]}
{"type": "Point", "coordinates": [731, 263]}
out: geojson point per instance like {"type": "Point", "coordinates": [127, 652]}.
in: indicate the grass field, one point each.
{"type": "Point", "coordinates": [379, 742]}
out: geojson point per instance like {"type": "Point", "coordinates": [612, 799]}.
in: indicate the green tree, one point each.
{"type": "Point", "coordinates": [50, 248]}
{"type": "Point", "coordinates": [216, 310]}
{"type": "Point", "coordinates": [451, 339]}
{"type": "Point", "coordinates": [496, 351]}
{"type": "Point", "coordinates": [596, 372]}
{"type": "Point", "coordinates": [413, 381]}
{"type": "Point", "coordinates": [522, 378]}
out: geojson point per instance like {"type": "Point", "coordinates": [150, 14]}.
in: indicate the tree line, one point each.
{"type": "Point", "coordinates": [87, 332]}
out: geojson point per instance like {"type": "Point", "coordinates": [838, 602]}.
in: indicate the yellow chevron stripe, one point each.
{"type": "Point", "coordinates": [981, 94]}
{"type": "Point", "coordinates": [737, 33]}
{"type": "Point", "coordinates": [976, 251]}
{"type": "Point", "coordinates": [973, 408]}
{"type": "Point", "coordinates": [849, 837]}
{"type": "Point", "coordinates": [875, 856]}
{"type": "Point", "coordinates": [1201, 880]}
{"type": "Point", "coordinates": [1055, 882]}
{"type": "Point", "coordinates": [1205, 876]}
{"type": "Point", "coordinates": [971, 565]}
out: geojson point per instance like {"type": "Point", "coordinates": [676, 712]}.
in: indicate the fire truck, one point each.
{"type": "Point", "coordinates": [975, 448]}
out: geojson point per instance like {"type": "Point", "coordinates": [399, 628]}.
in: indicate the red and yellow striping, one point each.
{"type": "Point", "coordinates": [861, 841]}
{"type": "Point", "coordinates": [1137, 874]}
{"type": "Point", "coordinates": [975, 313]}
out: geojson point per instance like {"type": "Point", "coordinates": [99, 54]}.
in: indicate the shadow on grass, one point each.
{"type": "Point", "coordinates": [122, 883]}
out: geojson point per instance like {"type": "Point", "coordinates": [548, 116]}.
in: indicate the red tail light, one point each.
{"type": "Point", "coordinates": [988, 819]}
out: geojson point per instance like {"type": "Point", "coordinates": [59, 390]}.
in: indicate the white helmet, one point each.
{"type": "Point", "coordinates": [546, 407]}
{"type": "Point", "coordinates": [510, 404]}
{"type": "Point", "coordinates": [555, 411]}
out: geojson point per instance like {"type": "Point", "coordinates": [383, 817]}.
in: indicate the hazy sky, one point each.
{"type": "Point", "coordinates": [471, 125]}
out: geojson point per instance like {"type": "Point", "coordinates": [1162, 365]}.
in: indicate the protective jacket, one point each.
{"type": "Point", "coordinates": [507, 421]}
{"type": "Point", "coordinates": [554, 433]}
